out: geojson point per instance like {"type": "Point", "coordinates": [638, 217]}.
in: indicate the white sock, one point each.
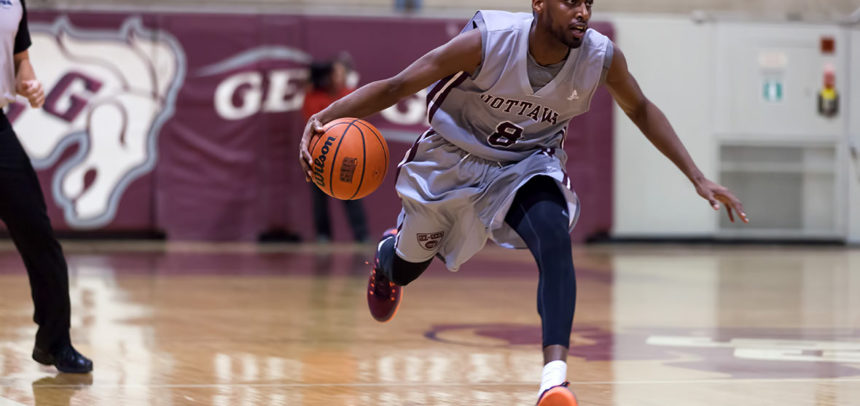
{"type": "Point", "coordinates": [554, 373]}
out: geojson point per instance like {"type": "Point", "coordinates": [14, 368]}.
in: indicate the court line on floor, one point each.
{"type": "Point", "coordinates": [469, 384]}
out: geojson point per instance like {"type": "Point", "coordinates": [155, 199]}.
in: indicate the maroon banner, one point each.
{"type": "Point", "coordinates": [189, 123]}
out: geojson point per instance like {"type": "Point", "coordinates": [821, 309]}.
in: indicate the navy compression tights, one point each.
{"type": "Point", "coordinates": [539, 215]}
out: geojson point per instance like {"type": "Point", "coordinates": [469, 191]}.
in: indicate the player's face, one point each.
{"type": "Point", "coordinates": [567, 20]}
{"type": "Point", "coordinates": [338, 75]}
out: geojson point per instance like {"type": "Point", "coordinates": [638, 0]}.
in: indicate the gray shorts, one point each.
{"type": "Point", "coordinates": [454, 201]}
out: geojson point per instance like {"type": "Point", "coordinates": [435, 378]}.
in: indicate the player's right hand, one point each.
{"type": "Point", "coordinates": [313, 130]}
{"type": "Point", "coordinates": [33, 91]}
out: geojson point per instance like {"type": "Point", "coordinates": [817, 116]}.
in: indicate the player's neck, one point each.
{"type": "Point", "coordinates": [545, 48]}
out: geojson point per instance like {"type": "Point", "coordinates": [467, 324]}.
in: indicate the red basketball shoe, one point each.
{"type": "Point", "coordinates": [383, 296]}
{"type": "Point", "coordinates": [558, 395]}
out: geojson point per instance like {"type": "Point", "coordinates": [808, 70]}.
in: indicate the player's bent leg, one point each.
{"type": "Point", "coordinates": [539, 216]}
{"type": "Point", "coordinates": [388, 276]}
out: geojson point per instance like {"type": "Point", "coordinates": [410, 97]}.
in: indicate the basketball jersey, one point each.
{"type": "Point", "coordinates": [496, 114]}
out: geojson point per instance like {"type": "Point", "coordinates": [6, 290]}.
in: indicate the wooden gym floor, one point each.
{"type": "Point", "coordinates": [235, 324]}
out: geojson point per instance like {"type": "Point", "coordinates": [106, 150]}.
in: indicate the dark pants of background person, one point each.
{"type": "Point", "coordinates": [322, 222]}
{"type": "Point", "coordinates": [22, 209]}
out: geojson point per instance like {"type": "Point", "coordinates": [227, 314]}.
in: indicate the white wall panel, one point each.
{"type": "Point", "coordinates": [853, 167]}
{"type": "Point", "coordinates": [671, 57]}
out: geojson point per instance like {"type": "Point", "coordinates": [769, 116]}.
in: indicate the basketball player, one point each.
{"type": "Point", "coordinates": [492, 165]}
{"type": "Point", "coordinates": [22, 206]}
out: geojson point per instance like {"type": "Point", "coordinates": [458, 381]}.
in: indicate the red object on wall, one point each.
{"type": "Point", "coordinates": [828, 45]}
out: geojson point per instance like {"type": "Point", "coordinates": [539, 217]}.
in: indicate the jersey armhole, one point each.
{"type": "Point", "coordinates": [477, 23]}
{"type": "Point", "coordinates": [607, 60]}
{"type": "Point", "coordinates": [22, 36]}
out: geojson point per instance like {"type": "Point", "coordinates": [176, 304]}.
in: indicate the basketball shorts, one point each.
{"type": "Point", "coordinates": [454, 201]}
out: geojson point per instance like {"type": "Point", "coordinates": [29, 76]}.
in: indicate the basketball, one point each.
{"type": "Point", "coordinates": [350, 159]}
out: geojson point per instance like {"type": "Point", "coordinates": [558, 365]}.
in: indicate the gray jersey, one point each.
{"type": "Point", "coordinates": [496, 114]}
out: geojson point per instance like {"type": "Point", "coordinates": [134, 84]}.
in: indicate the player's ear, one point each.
{"type": "Point", "coordinates": [537, 7]}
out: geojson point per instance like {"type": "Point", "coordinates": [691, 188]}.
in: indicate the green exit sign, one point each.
{"type": "Point", "coordinates": [772, 90]}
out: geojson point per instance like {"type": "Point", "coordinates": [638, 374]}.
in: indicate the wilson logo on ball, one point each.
{"type": "Point", "coordinates": [319, 162]}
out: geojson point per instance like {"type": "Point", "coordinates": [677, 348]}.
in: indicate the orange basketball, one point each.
{"type": "Point", "coordinates": [350, 159]}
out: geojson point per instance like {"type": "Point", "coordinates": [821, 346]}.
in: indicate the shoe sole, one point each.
{"type": "Point", "coordinates": [75, 371]}
{"type": "Point", "coordinates": [558, 397]}
{"type": "Point", "coordinates": [394, 313]}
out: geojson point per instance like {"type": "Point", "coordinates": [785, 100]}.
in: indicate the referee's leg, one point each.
{"type": "Point", "coordinates": [23, 210]}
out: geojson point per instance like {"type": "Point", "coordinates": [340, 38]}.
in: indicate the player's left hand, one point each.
{"type": "Point", "coordinates": [313, 129]}
{"type": "Point", "coordinates": [33, 91]}
{"type": "Point", "coordinates": [715, 193]}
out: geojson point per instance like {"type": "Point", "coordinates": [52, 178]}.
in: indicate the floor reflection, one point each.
{"type": "Point", "coordinates": [58, 390]}
{"type": "Point", "coordinates": [288, 325]}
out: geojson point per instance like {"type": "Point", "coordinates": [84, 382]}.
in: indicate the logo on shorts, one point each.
{"type": "Point", "coordinates": [429, 241]}
{"type": "Point", "coordinates": [347, 169]}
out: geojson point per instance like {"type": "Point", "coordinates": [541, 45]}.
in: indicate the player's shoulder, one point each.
{"type": "Point", "coordinates": [497, 20]}
{"type": "Point", "coordinates": [594, 39]}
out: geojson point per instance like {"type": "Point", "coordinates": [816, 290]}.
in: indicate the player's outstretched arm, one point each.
{"type": "Point", "coordinates": [653, 123]}
{"type": "Point", "coordinates": [460, 54]}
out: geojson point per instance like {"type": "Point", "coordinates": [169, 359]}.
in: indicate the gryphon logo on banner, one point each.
{"type": "Point", "coordinates": [109, 92]}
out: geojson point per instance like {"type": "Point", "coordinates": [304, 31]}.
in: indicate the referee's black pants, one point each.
{"type": "Point", "coordinates": [22, 209]}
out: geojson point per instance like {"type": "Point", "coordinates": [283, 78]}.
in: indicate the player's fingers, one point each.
{"type": "Point", "coordinates": [715, 204]}
{"type": "Point", "coordinates": [38, 100]}
{"type": "Point", "coordinates": [729, 211]}
{"type": "Point", "coordinates": [305, 160]}
{"type": "Point", "coordinates": [304, 155]}
{"type": "Point", "coordinates": [739, 208]}
{"type": "Point", "coordinates": [302, 161]}
{"type": "Point", "coordinates": [312, 131]}
{"type": "Point", "coordinates": [731, 201]}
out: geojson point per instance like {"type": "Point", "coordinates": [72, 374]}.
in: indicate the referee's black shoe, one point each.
{"type": "Point", "coordinates": [67, 360]}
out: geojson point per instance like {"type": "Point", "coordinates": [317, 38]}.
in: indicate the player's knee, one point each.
{"type": "Point", "coordinates": [555, 236]}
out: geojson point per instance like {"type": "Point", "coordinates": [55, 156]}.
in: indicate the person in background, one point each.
{"type": "Point", "coordinates": [407, 5]}
{"type": "Point", "coordinates": [22, 205]}
{"type": "Point", "coordinates": [329, 82]}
